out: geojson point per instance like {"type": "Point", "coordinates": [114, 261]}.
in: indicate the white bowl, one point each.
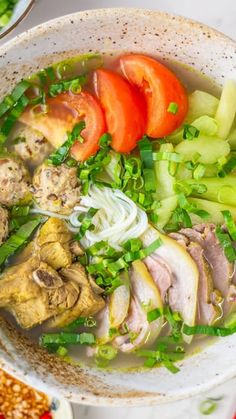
{"type": "Point", "coordinates": [21, 10]}
{"type": "Point", "coordinates": [170, 38]}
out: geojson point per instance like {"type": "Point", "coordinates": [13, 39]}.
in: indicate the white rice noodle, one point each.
{"type": "Point", "coordinates": [117, 220]}
{"type": "Point", "coordinates": [36, 210]}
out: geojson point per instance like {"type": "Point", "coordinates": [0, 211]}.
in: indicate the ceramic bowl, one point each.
{"type": "Point", "coordinates": [171, 39]}
{"type": "Point", "coordinates": [20, 12]}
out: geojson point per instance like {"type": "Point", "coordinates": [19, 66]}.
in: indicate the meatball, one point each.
{"type": "Point", "coordinates": [30, 145]}
{"type": "Point", "coordinates": [56, 188]}
{"type": "Point", "coordinates": [3, 225]}
{"type": "Point", "coordinates": [14, 181]}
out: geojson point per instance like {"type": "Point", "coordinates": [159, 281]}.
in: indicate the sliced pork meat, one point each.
{"type": "Point", "coordinates": [182, 294]}
{"type": "Point", "coordinates": [145, 297]}
{"type": "Point", "coordinates": [161, 274]}
{"type": "Point", "coordinates": [221, 269]}
{"type": "Point", "coordinates": [208, 312]}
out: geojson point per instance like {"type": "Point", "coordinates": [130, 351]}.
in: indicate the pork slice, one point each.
{"type": "Point", "coordinates": [208, 312]}
{"type": "Point", "coordinates": [160, 273]}
{"type": "Point", "coordinates": [221, 269]}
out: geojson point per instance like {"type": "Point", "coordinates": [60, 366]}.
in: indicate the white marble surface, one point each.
{"type": "Point", "coordinates": [221, 15]}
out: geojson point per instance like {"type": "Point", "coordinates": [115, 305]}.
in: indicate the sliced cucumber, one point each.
{"type": "Point", "coordinates": [165, 182]}
{"type": "Point", "coordinates": [221, 190]}
{"type": "Point", "coordinates": [226, 110]}
{"type": "Point", "coordinates": [214, 209]}
{"type": "Point", "coordinates": [164, 213]}
{"type": "Point", "coordinates": [201, 103]}
{"type": "Point", "coordinates": [210, 149]}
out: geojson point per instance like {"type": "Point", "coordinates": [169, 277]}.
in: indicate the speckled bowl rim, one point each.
{"type": "Point", "coordinates": [149, 398]}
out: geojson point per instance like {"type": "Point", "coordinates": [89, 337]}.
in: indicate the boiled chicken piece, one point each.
{"type": "Point", "coordinates": [145, 297]}
{"type": "Point", "coordinates": [33, 292]}
{"type": "Point", "coordinates": [184, 290]}
{"type": "Point", "coordinates": [221, 269]}
{"type": "Point", "coordinates": [208, 311]}
{"type": "Point", "coordinates": [88, 303]}
{"type": "Point", "coordinates": [115, 311]}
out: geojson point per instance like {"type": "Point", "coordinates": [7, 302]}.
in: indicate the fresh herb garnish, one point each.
{"type": "Point", "coordinates": [86, 223]}
{"type": "Point", "coordinates": [74, 85]}
{"type": "Point", "coordinates": [66, 338]}
{"type": "Point", "coordinates": [12, 117]}
{"type": "Point", "coordinates": [153, 315]}
{"type": "Point", "coordinates": [190, 132]}
{"type": "Point", "coordinates": [226, 243]}
{"type": "Point", "coordinates": [60, 155]}
{"type": "Point", "coordinates": [208, 330]}
{"type": "Point", "coordinates": [173, 108]}
{"type": "Point", "coordinates": [18, 239]}
{"type": "Point", "coordinates": [230, 224]}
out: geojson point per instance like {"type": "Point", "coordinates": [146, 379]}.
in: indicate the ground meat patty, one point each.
{"type": "Point", "coordinates": [56, 188]}
{"type": "Point", "coordinates": [30, 145]}
{"type": "Point", "coordinates": [14, 181]}
{"type": "Point", "coordinates": [3, 224]}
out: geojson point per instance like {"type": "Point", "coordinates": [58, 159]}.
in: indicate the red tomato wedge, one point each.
{"type": "Point", "coordinates": [160, 88]}
{"type": "Point", "coordinates": [124, 108]}
{"type": "Point", "coordinates": [63, 112]}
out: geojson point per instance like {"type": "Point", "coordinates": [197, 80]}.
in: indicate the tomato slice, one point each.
{"type": "Point", "coordinates": [124, 108]}
{"type": "Point", "coordinates": [63, 112]}
{"type": "Point", "coordinates": [160, 88]}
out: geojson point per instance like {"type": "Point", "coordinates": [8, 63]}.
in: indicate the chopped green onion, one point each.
{"type": "Point", "coordinates": [62, 351]}
{"type": "Point", "coordinates": [145, 148]}
{"type": "Point", "coordinates": [141, 254]}
{"type": "Point", "coordinates": [64, 338]}
{"type": "Point", "coordinates": [113, 331]}
{"type": "Point", "coordinates": [107, 352]}
{"type": "Point", "coordinates": [208, 330]}
{"type": "Point", "coordinates": [12, 117]}
{"type": "Point", "coordinates": [150, 362]}
{"type": "Point", "coordinates": [228, 167]}
{"type": "Point", "coordinates": [20, 211]}
{"type": "Point", "coordinates": [81, 321]}
{"type": "Point", "coordinates": [73, 85]}
{"type": "Point", "coordinates": [18, 239]}
{"type": "Point", "coordinates": [199, 172]}
{"type": "Point", "coordinates": [190, 132]}
{"type": "Point", "coordinates": [207, 407]}
{"type": "Point", "coordinates": [9, 101]}
{"type": "Point", "coordinates": [230, 224]}
{"type": "Point", "coordinates": [173, 108]}
{"type": "Point", "coordinates": [86, 222]}
{"type": "Point", "coordinates": [60, 155]}
{"type": "Point", "coordinates": [167, 155]}
{"type": "Point", "coordinates": [170, 366]}
{"type": "Point", "coordinates": [133, 245]}
{"type": "Point", "coordinates": [226, 244]}
{"type": "Point", "coordinates": [153, 315]}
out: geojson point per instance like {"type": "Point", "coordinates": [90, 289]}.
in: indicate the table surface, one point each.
{"type": "Point", "coordinates": [216, 13]}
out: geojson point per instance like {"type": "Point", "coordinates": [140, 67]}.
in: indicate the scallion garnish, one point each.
{"type": "Point", "coordinates": [107, 352]}
{"type": "Point", "coordinates": [60, 155]}
{"type": "Point", "coordinates": [81, 321]}
{"type": "Point", "coordinates": [190, 132]}
{"type": "Point", "coordinates": [167, 155]}
{"type": "Point", "coordinates": [86, 223]}
{"type": "Point", "coordinates": [226, 244]}
{"type": "Point", "coordinates": [10, 101]}
{"type": "Point", "coordinates": [173, 108]}
{"type": "Point", "coordinates": [228, 167]}
{"type": "Point", "coordinates": [207, 407]}
{"type": "Point", "coordinates": [153, 315]}
{"type": "Point", "coordinates": [65, 338]}
{"type": "Point", "coordinates": [230, 224]}
{"type": "Point", "coordinates": [208, 330]}
{"type": "Point", "coordinates": [18, 239]}
{"type": "Point", "coordinates": [74, 85]}
{"type": "Point", "coordinates": [12, 117]}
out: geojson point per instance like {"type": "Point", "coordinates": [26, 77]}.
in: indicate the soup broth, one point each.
{"type": "Point", "coordinates": [117, 210]}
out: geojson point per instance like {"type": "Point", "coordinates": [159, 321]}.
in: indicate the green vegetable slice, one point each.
{"type": "Point", "coordinates": [18, 239]}
{"type": "Point", "coordinates": [226, 244]}
{"type": "Point", "coordinates": [208, 330]}
{"type": "Point", "coordinates": [10, 100]}
{"type": "Point", "coordinates": [12, 117]}
{"type": "Point", "coordinates": [230, 224]}
{"type": "Point", "coordinates": [65, 338]}
{"type": "Point", "coordinates": [74, 85]}
{"type": "Point", "coordinates": [190, 132]}
{"type": "Point", "coordinates": [60, 155]}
